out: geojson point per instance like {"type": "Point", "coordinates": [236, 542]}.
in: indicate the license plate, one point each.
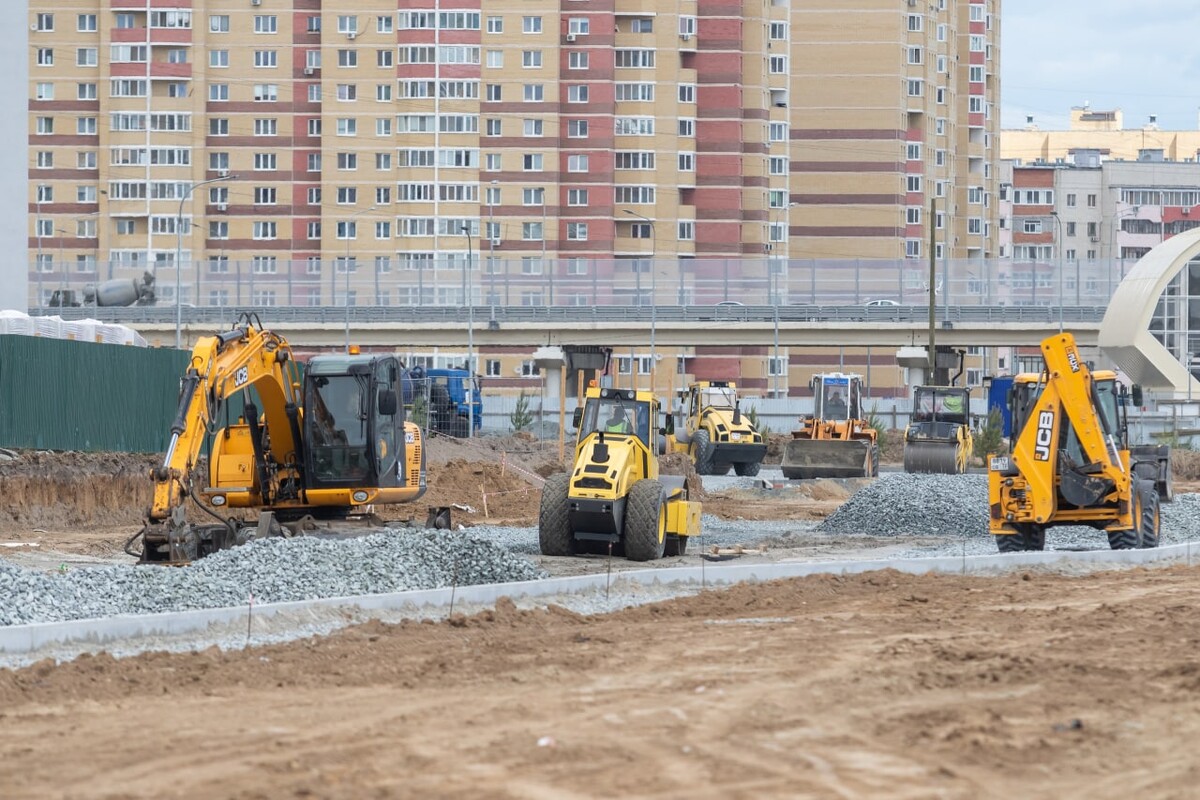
{"type": "Point", "coordinates": [998, 464]}
{"type": "Point", "coordinates": [737, 437]}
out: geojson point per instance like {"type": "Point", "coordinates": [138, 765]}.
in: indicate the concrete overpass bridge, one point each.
{"type": "Point", "coordinates": [639, 326]}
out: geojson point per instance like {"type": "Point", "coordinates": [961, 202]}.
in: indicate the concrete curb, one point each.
{"type": "Point", "coordinates": [18, 639]}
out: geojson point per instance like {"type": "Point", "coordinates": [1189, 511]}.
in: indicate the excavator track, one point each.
{"type": "Point", "coordinates": [945, 458]}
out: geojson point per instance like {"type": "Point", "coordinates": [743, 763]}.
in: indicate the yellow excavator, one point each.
{"type": "Point", "coordinates": [836, 441]}
{"type": "Point", "coordinates": [614, 496]}
{"type": "Point", "coordinates": [938, 438]}
{"type": "Point", "coordinates": [302, 455]}
{"type": "Point", "coordinates": [715, 432]}
{"type": "Point", "coordinates": [1069, 462]}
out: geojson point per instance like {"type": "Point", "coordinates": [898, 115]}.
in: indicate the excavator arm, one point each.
{"type": "Point", "coordinates": [232, 361]}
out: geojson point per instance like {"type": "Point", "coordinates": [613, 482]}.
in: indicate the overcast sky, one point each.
{"type": "Point", "coordinates": [1141, 56]}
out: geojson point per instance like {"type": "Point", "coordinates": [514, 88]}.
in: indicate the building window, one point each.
{"type": "Point", "coordinates": [531, 24]}
{"type": "Point", "coordinates": [577, 231]}
{"type": "Point", "coordinates": [266, 23]}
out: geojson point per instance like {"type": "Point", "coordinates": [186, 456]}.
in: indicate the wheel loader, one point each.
{"type": "Point", "coordinates": [938, 437]}
{"type": "Point", "coordinates": [836, 441]}
{"type": "Point", "coordinates": [715, 433]}
{"type": "Point", "coordinates": [1069, 461]}
{"type": "Point", "coordinates": [614, 496]}
{"type": "Point", "coordinates": [310, 455]}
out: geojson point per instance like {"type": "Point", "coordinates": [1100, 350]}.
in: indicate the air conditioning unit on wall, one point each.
{"type": "Point", "coordinates": [570, 37]}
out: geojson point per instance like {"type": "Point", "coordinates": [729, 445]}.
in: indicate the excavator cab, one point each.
{"type": "Point", "coordinates": [354, 425]}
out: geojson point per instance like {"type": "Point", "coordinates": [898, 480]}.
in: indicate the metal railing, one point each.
{"type": "Point", "coordinates": [580, 283]}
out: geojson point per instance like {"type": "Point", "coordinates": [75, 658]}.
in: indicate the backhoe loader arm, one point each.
{"type": "Point", "coordinates": [1077, 391]}
{"type": "Point", "coordinates": [221, 366]}
{"type": "Point", "coordinates": [1068, 391]}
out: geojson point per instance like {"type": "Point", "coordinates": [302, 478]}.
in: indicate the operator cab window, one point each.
{"type": "Point", "coordinates": [339, 426]}
{"type": "Point", "coordinates": [615, 416]}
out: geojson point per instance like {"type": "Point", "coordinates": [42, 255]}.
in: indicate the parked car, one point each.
{"type": "Point", "coordinates": [880, 303]}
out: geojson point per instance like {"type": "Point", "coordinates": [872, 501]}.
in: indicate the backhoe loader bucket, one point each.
{"type": "Point", "coordinates": [829, 458]}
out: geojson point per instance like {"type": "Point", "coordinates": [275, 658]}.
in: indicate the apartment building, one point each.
{"type": "Point", "coordinates": [338, 150]}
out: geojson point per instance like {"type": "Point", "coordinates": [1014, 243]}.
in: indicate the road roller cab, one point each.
{"type": "Point", "coordinates": [614, 495]}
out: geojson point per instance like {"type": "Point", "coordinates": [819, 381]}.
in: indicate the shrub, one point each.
{"type": "Point", "coordinates": [521, 418]}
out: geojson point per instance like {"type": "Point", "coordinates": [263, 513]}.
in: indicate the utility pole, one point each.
{"type": "Point", "coordinates": [929, 379]}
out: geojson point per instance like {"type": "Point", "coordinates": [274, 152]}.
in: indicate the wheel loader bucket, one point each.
{"type": "Point", "coordinates": [827, 458]}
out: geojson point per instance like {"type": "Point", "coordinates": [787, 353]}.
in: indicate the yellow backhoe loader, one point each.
{"type": "Point", "coordinates": [715, 432]}
{"type": "Point", "coordinates": [614, 495]}
{"type": "Point", "coordinates": [1069, 462]}
{"type": "Point", "coordinates": [836, 441]}
{"type": "Point", "coordinates": [938, 437]}
{"type": "Point", "coordinates": [302, 455]}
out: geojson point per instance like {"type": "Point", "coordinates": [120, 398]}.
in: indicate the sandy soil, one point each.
{"type": "Point", "coordinates": [880, 685]}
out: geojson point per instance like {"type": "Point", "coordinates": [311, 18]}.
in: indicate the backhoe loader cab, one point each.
{"type": "Point", "coordinates": [715, 433]}
{"type": "Point", "coordinates": [836, 441]}
{"type": "Point", "coordinates": [938, 438]}
{"type": "Point", "coordinates": [614, 495]}
{"type": "Point", "coordinates": [1069, 461]}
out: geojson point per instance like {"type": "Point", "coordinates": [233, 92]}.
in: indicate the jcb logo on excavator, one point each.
{"type": "Point", "coordinates": [241, 376]}
{"type": "Point", "coordinates": [1045, 433]}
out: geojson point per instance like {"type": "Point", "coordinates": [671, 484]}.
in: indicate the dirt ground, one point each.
{"type": "Point", "coordinates": [880, 685]}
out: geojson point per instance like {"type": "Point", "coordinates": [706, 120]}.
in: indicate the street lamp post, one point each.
{"type": "Point", "coordinates": [470, 303]}
{"type": "Point", "coordinates": [1059, 243]}
{"type": "Point", "coordinates": [346, 296]}
{"type": "Point", "coordinates": [653, 288]}
{"type": "Point", "coordinates": [62, 270]}
{"type": "Point", "coordinates": [179, 251]}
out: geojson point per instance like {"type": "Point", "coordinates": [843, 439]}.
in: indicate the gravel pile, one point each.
{"type": "Point", "coordinates": [900, 504]}
{"type": "Point", "coordinates": [272, 570]}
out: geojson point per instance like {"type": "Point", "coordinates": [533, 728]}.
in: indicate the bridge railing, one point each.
{"type": "Point", "coordinates": [483, 316]}
{"type": "Point", "coordinates": [578, 283]}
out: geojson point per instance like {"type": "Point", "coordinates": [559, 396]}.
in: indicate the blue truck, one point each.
{"type": "Point", "coordinates": [450, 393]}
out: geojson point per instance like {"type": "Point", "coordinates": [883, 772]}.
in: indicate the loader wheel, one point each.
{"type": "Point", "coordinates": [702, 452]}
{"type": "Point", "coordinates": [1123, 540]}
{"type": "Point", "coordinates": [721, 469]}
{"type": "Point", "coordinates": [554, 526]}
{"type": "Point", "coordinates": [873, 467]}
{"type": "Point", "coordinates": [645, 521]}
{"type": "Point", "coordinates": [675, 545]}
{"type": "Point", "coordinates": [1148, 520]}
{"type": "Point", "coordinates": [1029, 537]}
{"type": "Point", "coordinates": [747, 470]}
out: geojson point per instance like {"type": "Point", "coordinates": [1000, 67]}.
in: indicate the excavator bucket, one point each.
{"type": "Point", "coordinates": [937, 456]}
{"type": "Point", "coordinates": [829, 458]}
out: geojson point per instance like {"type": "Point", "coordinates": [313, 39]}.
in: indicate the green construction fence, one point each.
{"type": "Point", "coordinates": [58, 394]}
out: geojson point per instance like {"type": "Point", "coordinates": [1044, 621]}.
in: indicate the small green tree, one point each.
{"type": "Point", "coordinates": [752, 415]}
{"type": "Point", "coordinates": [990, 438]}
{"type": "Point", "coordinates": [521, 418]}
{"type": "Point", "coordinates": [418, 412]}
{"type": "Point", "coordinates": [875, 421]}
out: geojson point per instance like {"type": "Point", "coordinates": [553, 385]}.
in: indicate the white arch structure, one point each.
{"type": "Point", "coordinates": [1125, 332]}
